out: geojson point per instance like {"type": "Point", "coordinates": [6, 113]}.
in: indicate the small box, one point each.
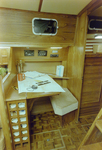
{"type": "Point", "coordinates": [23, 119]}
{"type": "Point", "coordinates": [16, 133]}
{"type": "Point", "coordinates": [24, 132]}
{"type": "Point", "coordinates": [23, 125]}
{"type": "Point", "coordinates": [22, 112]}
{"type": "Point", "coordinates": [15, 127]}
{"type": "Point", "coordinates": [60, 71]}
{"type": "Point", "coordinates": [21, 105]}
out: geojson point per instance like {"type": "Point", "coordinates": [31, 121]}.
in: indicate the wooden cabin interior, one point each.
{"type": "Point", "coordinates": [67, 120]}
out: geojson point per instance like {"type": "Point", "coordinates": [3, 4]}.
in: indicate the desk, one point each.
{"type": "Point", "coordinates": [13, 98]}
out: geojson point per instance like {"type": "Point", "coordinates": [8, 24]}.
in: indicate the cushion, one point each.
{"type": "Point", "coordinates": [64, 103]}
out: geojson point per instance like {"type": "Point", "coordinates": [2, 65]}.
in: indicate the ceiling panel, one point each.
{"type": "Point", "coordinates": [64, 6]}
{"type": "Point", "coordinates": [21, 4]}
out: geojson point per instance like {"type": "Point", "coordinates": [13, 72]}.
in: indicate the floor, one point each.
{"type": "Point", "coordinates": [47, 132]}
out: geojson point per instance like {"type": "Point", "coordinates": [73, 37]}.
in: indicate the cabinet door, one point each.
{"type": "Point", "coordinates": [91, 90]}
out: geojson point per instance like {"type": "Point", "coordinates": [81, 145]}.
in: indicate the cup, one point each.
{"type": "Point", "coordinates": [21, 76]}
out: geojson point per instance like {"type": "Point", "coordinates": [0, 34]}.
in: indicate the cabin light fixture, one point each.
{"type": "Point", "coordinates": [56, 47]}
{"type": "Point", "coordinates": [98, 36]}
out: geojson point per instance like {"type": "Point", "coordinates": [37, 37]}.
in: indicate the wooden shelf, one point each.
{"type": "Point", "coordinates": [41, 106]}
{"type": "Point", "coordinates": [19, 123]}
{"type": "Point", "coordinates": [57, 77]}
{"type": "Point", "coordinates": [95, 146]}
{"type": "Point", "coordinates": [99, 125]}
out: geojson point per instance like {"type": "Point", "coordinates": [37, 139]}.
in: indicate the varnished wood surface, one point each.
{"type": "Point", "coordinates": [92, 84]}
{"type": "Point", "coordinates": [8, 82]}
{"type": "Point", "coordinates": [19, 123]}
{"type": "Point", "coordinates": [14, 95]}
{"type": "Point", "coordinates": [43, 64]}
{"type": "Point", "coordinates": [2, 140]}
{"type": "Point", "coordinates": [94, 135]}
{"type": "Point", "coordinates": [4, 118]}
{"type": "Point", "coordinates": [42, 105]}
{"type": "Point", "coordinates": [90, 7]}
{"type": "Point", "coordinates": [96, 146]}
{"type": "Point", "coordinates": [76, 56]}
{"type": "Point", "coordinates": [99, 125]}
{"type": "Point", "coordinates": [21, 24]}
{"type": "Point", "coordinates": [37, 95]}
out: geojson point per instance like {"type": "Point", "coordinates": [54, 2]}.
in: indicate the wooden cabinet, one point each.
{"type": "Point", "coordinates": [19, 126]}
{"type": "Point", "coordinates": [4, 56]}
{"type": "Point", "coordinates": [92, 84]}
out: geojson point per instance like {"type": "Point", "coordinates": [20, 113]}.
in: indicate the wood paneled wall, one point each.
{"type": "Point", "coordinates": [91, 100]}
{"type": "Point", "coordinates": [16, 29]}
{"type": "Point", "coordinates": [44, 64]}
{"type": "Point", "coordinates": [4, 118]}
{"type": "Point", "coordinates": [76, 58]}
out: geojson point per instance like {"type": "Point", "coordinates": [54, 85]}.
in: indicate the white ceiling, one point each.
{"type": "Point", "coordinates": [64, 6]}
{"type": "Point", "coordinates": [51, 6]}
{"type": "Point", "coordinates": [21, 4]}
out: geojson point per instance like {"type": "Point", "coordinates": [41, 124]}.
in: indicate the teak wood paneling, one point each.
{"type": "Point", "coordinates": [44, 64]}
{"type": "Point", "coordinates": [92, 85]}
{"type": "Point", "coordinates": [4, 118]}
{"type": "Point", "coordinates": [76, 59]}
{"type": "Point", "coordinates": [16, 29]}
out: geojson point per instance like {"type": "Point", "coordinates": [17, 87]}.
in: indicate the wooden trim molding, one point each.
{"type": "Point", "coordinates": [94, 4]}
{"type": "Point", "coordinates": [40, 5]}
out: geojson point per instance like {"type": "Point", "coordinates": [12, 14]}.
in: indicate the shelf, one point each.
{"type": "Point", "coordinates": [99, 125]}
{"type": "Point", "coordinates": [57, 77]}
{"type": "Point", "coordinates": [40, 107]}
{"type": "Point", "coordinates": [95, 146]}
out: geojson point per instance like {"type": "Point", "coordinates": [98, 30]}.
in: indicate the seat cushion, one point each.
{"type": "Point", "coordinates": [64, 103]}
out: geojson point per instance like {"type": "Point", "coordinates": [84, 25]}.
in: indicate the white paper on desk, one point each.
{"type": "Point", "coordinates": [33, 74]}
{"type": "Point", "coordinates": [25, 85]}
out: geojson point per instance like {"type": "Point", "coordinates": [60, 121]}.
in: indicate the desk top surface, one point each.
{"type": "Point", "coordinates": [14, 95]}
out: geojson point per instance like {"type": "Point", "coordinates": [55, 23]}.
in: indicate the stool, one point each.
{"type": "Point", "coordinates": [65, 105]}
